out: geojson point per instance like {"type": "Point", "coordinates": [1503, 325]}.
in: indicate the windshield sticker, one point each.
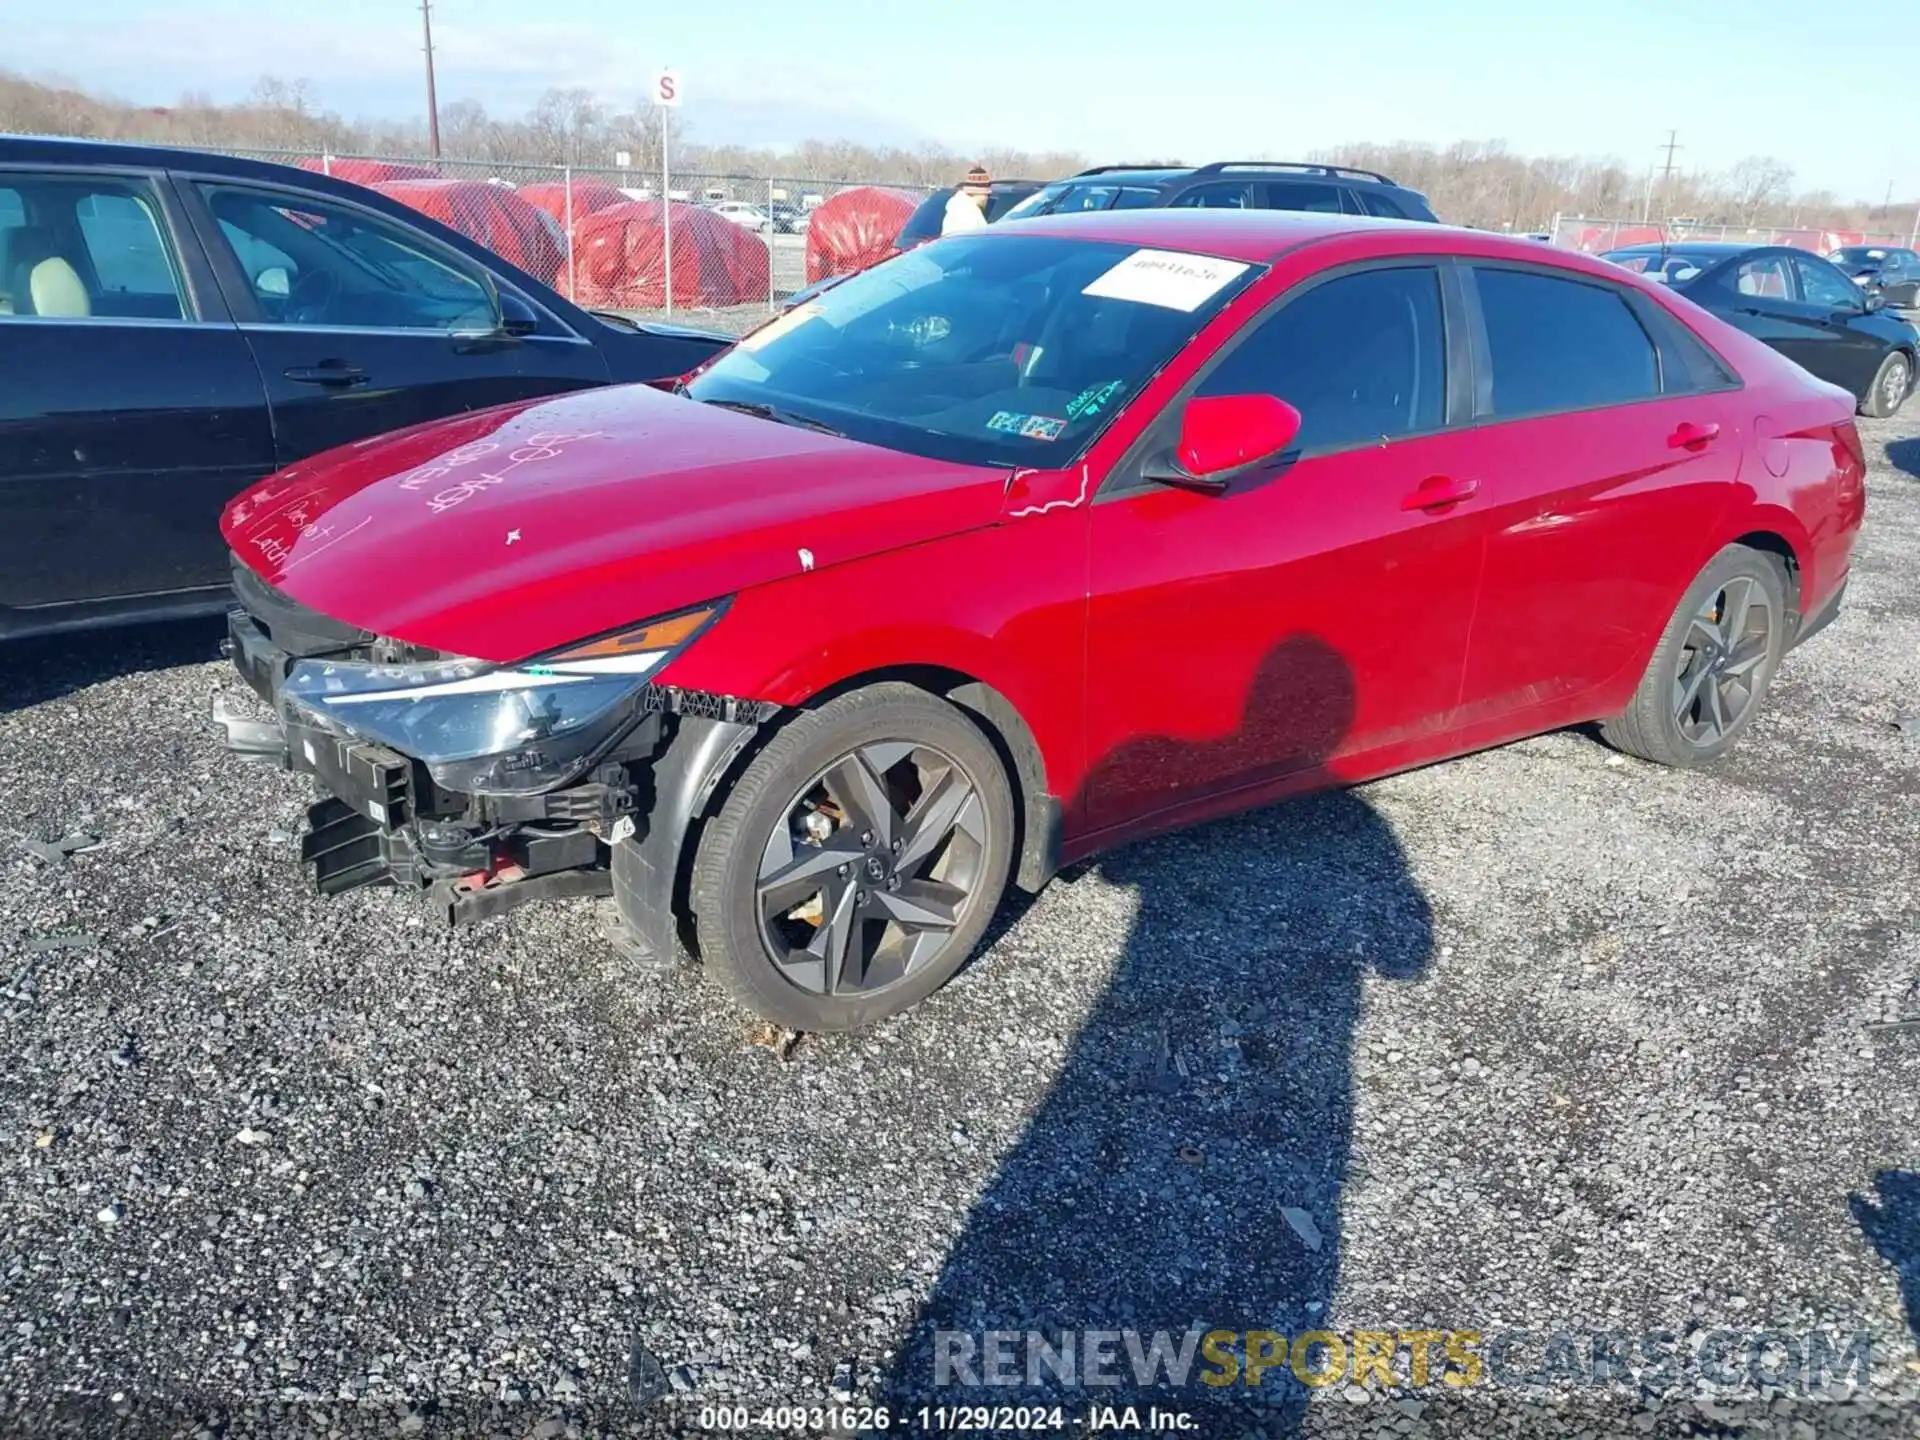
{"type": "Point", "coordinates": [1167, 278]}
{"type": "Point", "coordinates": [1030, 427]}
{"type": "Point", "coordinates": [1094, 399]}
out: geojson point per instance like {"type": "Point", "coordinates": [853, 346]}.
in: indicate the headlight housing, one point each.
{"type": "Point", "coordinates": [492, 729]}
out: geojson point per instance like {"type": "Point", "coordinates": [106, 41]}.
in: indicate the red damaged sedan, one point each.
{"type": "Point", "coordinates": [1024, 544]}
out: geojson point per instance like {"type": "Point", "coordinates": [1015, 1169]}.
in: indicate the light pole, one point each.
{"type": "Point", "coordinates": [433, 105]}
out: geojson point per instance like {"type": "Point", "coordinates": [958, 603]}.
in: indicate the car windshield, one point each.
{"type": "Point", "coordinates": [1667, 266]}
{"type": "Point", "coordinates": [1859, 255]}
{"type": "Point", "coordinates": [1073, 199]}
{"type": "Point", "coordinates": [984, 349]}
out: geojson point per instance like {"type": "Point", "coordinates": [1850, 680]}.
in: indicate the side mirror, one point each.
{"type": "Point", "coordinates": [1226, 435]}
{"type": "Point", "coordinates": [1872, 298]}
{"type": "Point", "coordinates": [517, 317]}
{"type": "Point", "coordinates": [274, 282]}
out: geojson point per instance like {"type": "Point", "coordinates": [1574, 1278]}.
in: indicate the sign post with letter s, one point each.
{"type": "Point", "coordinates": [666, 94]}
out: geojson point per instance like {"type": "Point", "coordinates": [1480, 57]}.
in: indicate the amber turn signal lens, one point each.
{"type": "Point", "coordinates": [654, 635]}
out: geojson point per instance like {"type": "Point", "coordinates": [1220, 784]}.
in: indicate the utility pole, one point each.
{"type": "Point", "coordinates": [1666, 179]}
{"type": "Point", "coordinates": [433, 105]}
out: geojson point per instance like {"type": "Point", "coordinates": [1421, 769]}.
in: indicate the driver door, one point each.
{"type": "Point", "coordinates": [355, 319]}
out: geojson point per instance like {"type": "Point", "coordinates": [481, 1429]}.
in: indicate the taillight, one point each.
{"type": "Point", "coordinates": [1849, 435]}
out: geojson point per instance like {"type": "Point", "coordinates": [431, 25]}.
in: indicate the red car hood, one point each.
{"type": "Point", "coordinates": [512, 531]}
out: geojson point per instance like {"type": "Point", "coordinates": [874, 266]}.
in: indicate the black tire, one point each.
{"type": "Point", "coordinates": [756, 957]}
{"type": "Point", "coordinates": [1662, 723]}
{"type": "Point", "coordinates": [1891, 384]}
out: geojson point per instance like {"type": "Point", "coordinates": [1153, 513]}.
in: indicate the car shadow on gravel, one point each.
{"type": "Point", "coordinates": [1186, 1172]}
{"type": "Point", "coordinates": [47, 667]}
{"type": "Point", "coordinates": [1892, 1226]}
{"type": "Point", "coordinates": [1904, 455]}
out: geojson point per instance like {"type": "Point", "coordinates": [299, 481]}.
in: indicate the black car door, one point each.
{"type": "Point", "coordinates": [1760, 293]}
{"type": "Point", "coordinates": [130, 407]}
{"type": "Point", "coordinates": [1856, 350]}
{"type": "Point", "coordinates": [362, 323]}
{"type": "Point", "coordinates": [1903, 288]}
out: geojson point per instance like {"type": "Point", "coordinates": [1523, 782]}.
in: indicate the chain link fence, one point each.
{"type": "Point", "coordinates": [723, 250]}
{"type": "Point", "coordinates": [1596, 237]}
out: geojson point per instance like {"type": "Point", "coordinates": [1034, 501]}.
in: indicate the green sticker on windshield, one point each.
{"type": "Point", "coordinates": [1029, 427]}
{"type": "Point", "coordinates": [1094, 399]}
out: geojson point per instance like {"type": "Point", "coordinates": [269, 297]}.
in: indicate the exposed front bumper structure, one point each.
{"type": "Point", "coordinates": [382, 819]}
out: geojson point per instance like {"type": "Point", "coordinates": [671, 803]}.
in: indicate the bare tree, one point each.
{"type": "Point", "coordinates": [1757, 182]}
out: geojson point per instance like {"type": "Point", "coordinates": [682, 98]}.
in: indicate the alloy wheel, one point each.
{"type": "Point", "coordinates": [871, 869]}
{"type": "Point", "coordinates": [1893, 384]}
{"type": "Point", "coordinates": [1726, 643]}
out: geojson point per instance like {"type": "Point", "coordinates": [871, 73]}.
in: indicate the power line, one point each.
{"type": "Point", "coordinates": [433, 105]}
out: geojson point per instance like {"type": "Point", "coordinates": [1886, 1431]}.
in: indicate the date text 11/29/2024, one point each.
{"type": "Point", "coordinates": [948, 1419]}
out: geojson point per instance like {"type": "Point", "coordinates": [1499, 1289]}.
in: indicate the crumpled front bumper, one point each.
{"type": "Point", "coordinates": [382, 820]}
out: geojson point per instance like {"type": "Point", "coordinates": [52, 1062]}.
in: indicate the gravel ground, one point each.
{"type": "Point", "coordinates": [1539, 1040]}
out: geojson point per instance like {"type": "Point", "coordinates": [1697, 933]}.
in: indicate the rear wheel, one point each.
{"type": "Point", "coordinates": [1713, 665]}
{"type": "Point", "coordinates": [857, 863]}
{"type": "Point", "coordinates": [1890, 386]}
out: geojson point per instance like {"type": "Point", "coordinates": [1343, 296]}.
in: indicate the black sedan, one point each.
{"type": "Point", "coordinates": [174, 326]}
{"type": "Point", "coordinates": [1799, 304]}
{"type": "Point", "coordinates": [1890, 269]}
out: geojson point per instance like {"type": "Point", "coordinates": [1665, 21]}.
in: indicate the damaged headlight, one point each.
{"type": "Point", "coordinates": [496, 729]}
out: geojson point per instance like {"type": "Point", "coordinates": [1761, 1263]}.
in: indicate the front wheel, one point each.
{"type": "Point", "coordinates": [1713, 665]}
{"type": "Point", "coordinates": [1890, 386]}
{"type": "Point", "coordinates": [858, 861]}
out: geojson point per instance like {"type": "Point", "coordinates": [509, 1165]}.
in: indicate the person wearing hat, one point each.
{"type": "Point", "coordinates": [967, 206]}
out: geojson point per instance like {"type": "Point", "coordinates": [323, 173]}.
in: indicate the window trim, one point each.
{"type": "Point", "coordinates": [1125, 480]}
{"type": "Point", "coordinates": [1484, 413]}
{"type": "Point", "coordinates": [239, 293]}
{"type": "Point", "coordinates": [192, 282]}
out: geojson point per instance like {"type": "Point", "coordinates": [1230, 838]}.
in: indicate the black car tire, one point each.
{"type": "Point", "coordinates": [1659, 724]}
{"type": "Point", "coordinates": [1891, 383]}
{"type": "Point", "coordinates": [737, 945]}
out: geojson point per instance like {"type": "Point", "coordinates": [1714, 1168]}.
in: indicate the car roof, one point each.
{"type": "Point", "coordinates": [1720, 249]}
{"type": "Point", "coordinates": [1252, 235]}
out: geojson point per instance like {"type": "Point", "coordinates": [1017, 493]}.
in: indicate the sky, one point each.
{"type": "Point", "coordinates": [1200, 79]}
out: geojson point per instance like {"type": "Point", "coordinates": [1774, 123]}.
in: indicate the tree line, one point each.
{"type": "Point", "coordinates": [1468, 183]}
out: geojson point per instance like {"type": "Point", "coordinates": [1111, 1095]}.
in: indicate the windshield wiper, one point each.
{"type": "Point", "coordinates": [775, 413]}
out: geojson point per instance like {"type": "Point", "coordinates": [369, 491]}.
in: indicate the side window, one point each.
{"type": "Point", "coordinates": [1686, 364]}
{"type": "Point", "coordinates": [1376, 203]}
{"type": "Point", "coordinates": [316, 262]}
{"type": "Point", "coordinates": [1821, 284]}
{"type": "Point", "coordinates": [1304, 195]}
{"type": "Point", "coordinates": [1557, 344]}
{"type": "Point", "coordinates": [1764, 276]}
{"type": "Point", "coordinates": [1220, 196]}
{"type": "Point", "coordinates": [1362, 358]}
{"type": "Point", "coordinates": [77, 249]}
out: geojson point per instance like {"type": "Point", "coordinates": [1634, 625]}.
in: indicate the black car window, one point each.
{"type": "Point", "coordinates": [75, 248]}
{"type": "Point", "coordinates": [1134, 197]}
{"type": "Point", "coordinates": [1377, 202]}
{"type": "Point", "coordinates": [316, 262]}
{"type": "Point", "coordinates": [1764, 276]}
{"type": "Point", "coordinates": [1821, 284]}
{"type": "Point", "coordinates": [925, 221]}
{"type": "Point", "coordinates": [1221, 195]}
{"type": "Point", "coordinates": [1305, 195]}
{"type": "Point", "coordinates": [1362, 358]}
{"type": "Point", "coordinates": [1556, 344]}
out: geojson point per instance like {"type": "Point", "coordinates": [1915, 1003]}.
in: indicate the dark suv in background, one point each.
{"type": "Point", "coordinates": [1229, 185]}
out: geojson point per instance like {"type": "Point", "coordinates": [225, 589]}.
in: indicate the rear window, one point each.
{"type": "Point", "coordinates": [1557, 345]}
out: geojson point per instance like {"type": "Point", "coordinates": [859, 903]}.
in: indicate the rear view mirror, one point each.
{"type": "Point", "coordinates": [1225, 435]}
{"type": "Point", "coordinates": [273, 282]}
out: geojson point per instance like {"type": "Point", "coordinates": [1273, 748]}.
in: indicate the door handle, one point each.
{"type": "Point", "coordinates": [1688, 436]}
{"type": "Point", "coordinates": [1437, 492]}
{"type": "Point", "coordinates": [333, 374]}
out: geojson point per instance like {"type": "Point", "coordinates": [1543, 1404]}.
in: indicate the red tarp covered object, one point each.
{"type": "Point", "coordinates": [855, 229]}
{"type": "Point", "coordinates": [367, 172]}
{"type": "Point", "coordinates": [618, 258]}
{"type": "Point", "coordinates": [588, 196]}
{"type": "Point", "coordinates": [493, 215]}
